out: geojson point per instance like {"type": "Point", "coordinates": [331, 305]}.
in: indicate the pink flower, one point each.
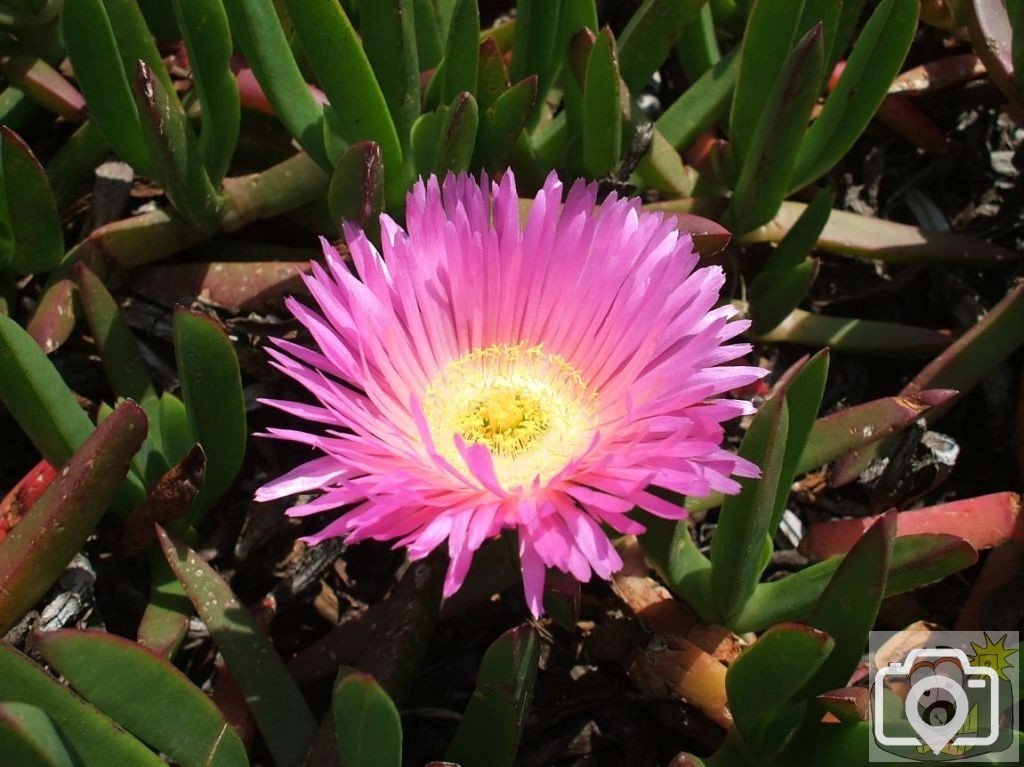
{"type": "Point", "coordinates": [483, 375]}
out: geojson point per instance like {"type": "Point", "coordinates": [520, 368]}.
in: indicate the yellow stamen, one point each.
{"type": "Point", "coordinates": [533, 410]}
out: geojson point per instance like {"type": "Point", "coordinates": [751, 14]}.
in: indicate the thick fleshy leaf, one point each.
{"type": "Point", "coordinates": [767, 157]}
{"type": "Point", "coordinates": [848, 606]}
{"type": "Point", "coordinates": [28, 738]}
{"type": "Point", "coordinates": [336, 55]}
{"type": "Point", "coordinates": [501, 124]}
{"type": "Point", "coordinates": [916, 560]}
{"type": "Point", "coordinates": [43, 84]}
{"type": "Point", "coordinates": [211, 386]}
{"type": "Point", "coordinates": [771, 32]}
{"type": "Point", "coordinates": [647, 39]}
{"type": "Point", "coordinates": [175, 429]}
{"type": "Point", "coordinates": [847, 704]}
{"type": "Point", "coordinates": [457, 136]}
{"type": "Point", "coordinates": [164, 623]}
{"type": "Point", "coordinates": [207, 36]}
{"type": "Point", "coordinates": [803, 393]}
{"type": "Point", "coordinates": [492, 73]}
{"type": "Point", "coordinates": [122, 361]}
{"type": "Point", "coordinates": [167, 501]}
{"type": "Point", "coordinates": [493, 722]}
{"type": "Point", "coordinates": [135, 42]}
{"type": "Point", "coordinates": [764, 682]}
{"type": "Point", "coordinates": [38, 239]}
{"type": "Point", "coordinates": [961, 367]}
{"type": "Point", "coordinates": [701, 105]}
{"type": "Point", "coordinates": [175, 153]}
{"type": "Point", "coordinates": [144, 694]}
{"type": "Point", "coordinates": [98, 740]}
{"type": "Point", "coordinates": [275, 701]}
{"type": "Point", "coordinates": [993, 34]}
{"type": "Point", "coordinates": [461, 55]}
{"type": "Point", "coordinates": [429, 41]}
{"type": "Point", "coordinates": [855, 336]}
{"type": "Point", "coordinates": [738, 547]}
{"type": "Point", "coordinates": [38, 549]}
{"type": "Point", "coordinates": [366, 723]}
{"type": "Point", "coordinates": [389, 39]}
{"type": "Point", "coordinates": [258, 33]}
{"type": "Point", "coordinates": [602, 110]}
{"type": "Point", "coordinates": [579, 18]}
{"type": "Point", "coordinates": [775, 293]}
{"type": "Point", "coordinates": [357, 185]}
{"type": "Point", "coordinates": [874, 62]}
{"type": "Point", "coordinates": [536, 34]}
{"type": "Point", "coordinates": [96, 59]}
{"type": "Point", "coordinates": [37, 397]}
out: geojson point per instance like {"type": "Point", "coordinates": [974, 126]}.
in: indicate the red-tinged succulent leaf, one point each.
{"type": "Point", "coordinates": [457, 135]}
{"type": "Point", "coordinates": [28, 738]}
{"type": "Point", "coordinates": [44, 84]}
{"type": "Point", "coordinates": [251, 92]}
{"type": "Point", "coordinates": [35, 552]}
{"type": "Point", "coordinates": [238, 287]}
{"type": "Point", "coordinates": [97, 739]}
{"type": "Point", "coordinates": [23, 495]}
{"type": "Point", "coordinates": [992, 37]}
{"type": "Point", "coordinates": [848, 606]}
{"type": "Point", "coordinates": [492, 73]}
{"type": "Point", "coordinates": [493, 721]}
{"type": "Point", "coordinates": [709, 237]}
{"type": "Point", "coordinates": [277, 704]}
{"type": "Point", "coordinates": [962, 366]}
{"type": "Point", "coordinates": [997, 579]}
{"type": "Point", "coordinates": [847, 704]}
{"type": "Point", "coordinates": [174, 150]}
{"type": "Point", "coordinates": [211, 386]}
{"type": "Point", "coordinates": [850, 234]}
{"type": "Point", "coordinates": [764, 681]}
{"type": "Point", "coordinates": [984, 522]}
{"type": "Point", "coordinates": [916, 560]}
{"type": "Point", "coordinates": [938, 75]}
{"type": "Point", "coordinates": [367, 724]}
{"type": "Point", "coordinates": [849, 429]}
{"type": "Point", "coordinates": [231, 701]}
{"type": "Point", "coordinates": [167, 501]}
{"type": "Point", "coordinates": [907, 119]}
{"type": "Point", "coordinates": [53, 319]}
{"type": "Point", "coordinates": [145, 694]}
{"type": "Point", "coordinates": [356, 192]}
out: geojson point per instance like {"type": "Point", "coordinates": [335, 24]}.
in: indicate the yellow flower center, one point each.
{"type": "Point", "coordinates": [532, 410]}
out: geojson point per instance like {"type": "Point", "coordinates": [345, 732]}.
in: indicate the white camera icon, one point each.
{"type": "Point", "coordinates": [937, 706]}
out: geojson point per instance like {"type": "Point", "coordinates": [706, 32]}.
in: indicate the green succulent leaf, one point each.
{"type": "Point", "coordinates": [648, 38]}
{"type": "Point", "coordinates": [204, 27]}
{"type": "Point", "coordinates": [602, 109]}
{"type": "Point", "coordinates": [274, 699]}
{"type": "Point", "coordinates": [916, 560]}
{"type": "Point", "coordinates": [175, 154]}
{"type": "Point", "coordinates": [701, 105]}
{"type": "Point", "coordinates": [768, 157]}
{"type": "Point", "coordinates": [98, 741]}
{"type": "Point", "coordinates": [457, 135]}
{"type": "Point", "coordinates": [875, 60]}
{"type": "Point", "coordinates": [462, 52]}
{"type": "Point", "coordinates": [737, 550]}
{"type": "Point", "coordinates": [493, 722]}
{"type": "Point", "coordinates": [534, 43]}
{"type": "Point", "coordinates": [28, 738]}
{"type": "Point", "coordinates": [258, 33]}
{"type": "Point", "coordinates": [211, 385]}
{"type": "Point", "coordinates": [389, 35]}
{"type": "Point", "coordinates": [96, 58]}
{"type": "Point", "coordinates": [31, 214]}
{"type": "Point", "coordinates": [501, 124]}
{"type": "Point", "coordinates": [144, 694]}
{"type": "Point", "coordinates": [764, 682]}
{"type": "Point", "coordinates": [770, 35]}
{"type": "Point", "coordinates": [848, 606]}
{"type": "Point", "coordinates": [336, 55]}
{"type": "Point", "coordinates": [366, 723]}
{"type": "Point", "coordinates": [357, 186]}
{"type": "Point", "coordinates": [775, 293]}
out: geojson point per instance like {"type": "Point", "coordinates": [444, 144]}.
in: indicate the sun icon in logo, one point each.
{"type": "Point", "coordinates": [994, 655]}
